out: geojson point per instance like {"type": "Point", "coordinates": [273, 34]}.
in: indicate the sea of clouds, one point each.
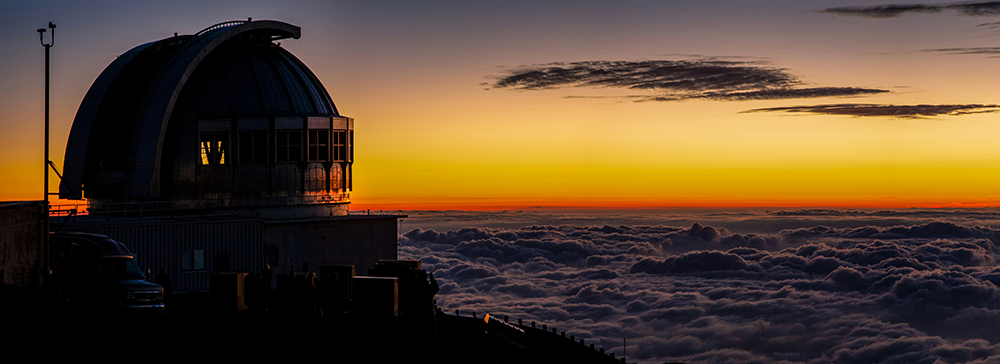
{"type": "Point", "coordinates": [812, 286]}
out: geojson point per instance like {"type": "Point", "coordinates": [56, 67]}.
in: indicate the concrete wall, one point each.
{"type": "Point", "coordinates": [23, 226]}
{"type": "Point", "coordinates": [348, 240]}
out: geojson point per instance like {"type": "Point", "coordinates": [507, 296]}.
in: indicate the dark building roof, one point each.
{"type": "Point", "coordinates": [258, 78]}
{"type": "Point", "coordinates": [129, 118]}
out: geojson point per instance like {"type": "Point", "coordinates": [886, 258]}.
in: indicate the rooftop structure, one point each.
{"type": "Point", "coordinates": [225, 118]}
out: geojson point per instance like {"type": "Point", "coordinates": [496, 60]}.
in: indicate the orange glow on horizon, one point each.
{"type": "Point", "coordinates": [638, 205]}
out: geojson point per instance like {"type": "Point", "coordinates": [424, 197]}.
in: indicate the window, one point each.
{"type": "Point", "coordinates": [271, 253]}
{"type": "Point", "coordinates": [213, 148]}
{"type": "Point", "coordinates": [193, 260]}
{"type": "Point", "coordinates": [315, 179]}
{"type": "Point", "coordinates": [253, 147]}
{"type": "Point", "coordinates": [319, 145]}
{"type": "Point", "coordinates": [288, 146]}
{"type": "Point", "coordinates": [340, 146]}
{"type": "Point", "coordinates": [121, 268]}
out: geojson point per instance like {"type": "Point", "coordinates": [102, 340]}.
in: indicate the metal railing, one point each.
{"type": "Point", "coordinates": [369, 212]}
{"type": "Point", "coordinates": [550, 332]}
{"type": "Point", "coordinates": [67, 209]}
{"type": "Point", "coordinates": [174, 208]}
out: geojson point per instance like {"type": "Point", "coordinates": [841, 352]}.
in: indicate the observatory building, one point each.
{"type": "Point", "coordinates": [219, 151]}
{"type": "Point", "coordinates": [223, 119]}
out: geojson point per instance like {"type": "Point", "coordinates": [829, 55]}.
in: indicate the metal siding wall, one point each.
{"type": "Point", "coordinates": [195, 237]}
{"type": "Point", "coordinates": [160, 245]}
{"type": "Point", "coordinates": [22, 232]}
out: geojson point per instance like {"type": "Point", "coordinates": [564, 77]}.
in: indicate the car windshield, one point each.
{"type": "Point", "coordinates": [121, 268]}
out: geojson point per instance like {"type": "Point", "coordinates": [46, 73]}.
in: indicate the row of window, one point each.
{"type": "Point", "coordinates": [194, 260]}
{"type": "Point", "coordinates": [288, 145]}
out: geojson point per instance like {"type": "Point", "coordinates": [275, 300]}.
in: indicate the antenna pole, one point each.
{"type": "Point", "coordinates": [45, 164]}
{"type": "Point", "coordinates": [43, 261]}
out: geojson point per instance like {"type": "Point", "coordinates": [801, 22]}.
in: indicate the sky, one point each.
{"type": "Point", "coordinates": [493, 105]}
{"type": "Point", "coordinates": [727, 123]}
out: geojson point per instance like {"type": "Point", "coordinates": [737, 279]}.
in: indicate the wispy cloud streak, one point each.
{"type": "Point", "coordinates": [989, 8]}
{"type": "Point", "coordinates": [966, 50]}
{"type": "Point", "coordinates": [891, 111]}
{"type": "Point", "coordinates": [710, 79]}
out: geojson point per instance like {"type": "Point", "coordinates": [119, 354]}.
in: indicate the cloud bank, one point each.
{"type": "Point", "coordinates": [892, 111]}
{"type": "Point", "coordinates": [925, 293]}
{"type": "Point", "coordinates": [989, 8]}
{"type": "Point", "coordinates": [737, 221]}
{"type": "Point", "coordinates": [710, 79]}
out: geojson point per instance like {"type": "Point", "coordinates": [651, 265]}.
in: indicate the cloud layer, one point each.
{"type": "Point", "coordinates": [676, 80]}
{"type": "Point", "coordinates": [925, 293]}
{"type": "Point", "coordinates": [989, 8]}
{"type": "Point", "coordinates": [893, 111]}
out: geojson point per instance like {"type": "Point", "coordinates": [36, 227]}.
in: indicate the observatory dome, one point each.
{"type": "Point", "coordinates": [225, 118]}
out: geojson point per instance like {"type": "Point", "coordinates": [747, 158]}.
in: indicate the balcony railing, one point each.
{"type": "Point", "coordinates": [174, 208]}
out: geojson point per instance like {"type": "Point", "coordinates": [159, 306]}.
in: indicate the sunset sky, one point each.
{"type": "Point", "coordinates": [626, 104]}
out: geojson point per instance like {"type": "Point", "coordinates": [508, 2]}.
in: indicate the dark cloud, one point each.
{"type": "Point", "coordinates": [795, 93]}
{"type": "Point", "coordinates": [711, 79]}
{"type": "Point", "coordinates": [700, 261]}
{"type": "Point", "coordinates": [967, 50]}
{"type": "Point", "coordinates": [990, 8]}
{"type": "Point", "coordinates": [891, 111]}
{"type": "Point", "coordinates": [918, 293]}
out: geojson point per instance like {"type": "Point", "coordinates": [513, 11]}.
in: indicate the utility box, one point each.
{"type": "Point", "coordinates": [395, 265]}
{"type": "Point", "coordinates": [376, 296]}
{"type": "Point", "coordinates": [344, 277]}
{"type": "Point", "coordinates": [227, 291]}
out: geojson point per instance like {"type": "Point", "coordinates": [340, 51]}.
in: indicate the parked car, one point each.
{"type": "Point", "coordinates": [96, 272]}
